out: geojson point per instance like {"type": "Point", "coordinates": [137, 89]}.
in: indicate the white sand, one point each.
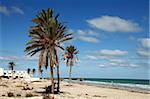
{"type": "Point", "coordinates": [76, 91]}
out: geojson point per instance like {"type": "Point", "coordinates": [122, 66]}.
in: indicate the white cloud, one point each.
{"type": "Point", "coordinates": [17, 10]}
{"type": "Point", "coordinates": [10, 10]}
{"type": "Point", "coordinates": [4, 10]}
{"type": "Point", "coordinates": [143, 53]}
{"type": "Point", "coordinates": [92, 57]}
{"type": "Point", "coordinates": [13, 58]}
{"type": "Point", "coordinates": [9, 58]}
{"type": "Point", "coordinates": [88, 39]}
{"type": "Point", "coordinates": [108, 52]}
{"type": "Point", "coordinates": [85, 35]}
{"type": "Point", "coordinates": [114, 24]}
{"type": "Point", "coordinates": [118, 64]}
{"type": "Point", "coordinates": [145, 42]}
{"type": "Point", "coordinates": [87, 32]}
{"type": "Point", "coordinates": [117, 60]}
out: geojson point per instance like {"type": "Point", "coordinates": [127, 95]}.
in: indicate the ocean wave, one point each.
{"type": "Point", "coordinates": [140, 86]}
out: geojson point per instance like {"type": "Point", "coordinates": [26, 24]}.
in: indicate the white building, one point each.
{"type": "Point", "coordinates": [1, 71]}
{"type": "Point", "coordinates": [14, 74]}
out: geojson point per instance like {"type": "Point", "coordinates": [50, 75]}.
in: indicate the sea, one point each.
{"type": "Point", "coordinates": [138, 85]}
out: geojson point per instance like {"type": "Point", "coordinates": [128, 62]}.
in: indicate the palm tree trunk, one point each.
{"type": "Point", "coordinates": [58, 78]}
{"type": "Point", "coordinates": [52, 79]}
{"type": "Point", "coordinates": [70, 74]}
{"type": "Point", "coordinates": [51, 71]}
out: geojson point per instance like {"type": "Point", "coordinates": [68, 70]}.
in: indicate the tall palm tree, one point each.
{"type": "Point", "coordinates": [11, 65]}
{"type": "Point", "coordinates": [71, 57]}
{"type": "Point", "coordinates": [46, 36]}
{"type": "Point", "coordinates": [28, 70]}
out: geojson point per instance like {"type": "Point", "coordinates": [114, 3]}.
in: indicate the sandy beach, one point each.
{"type": "Point", "coordinates": [76, 91]}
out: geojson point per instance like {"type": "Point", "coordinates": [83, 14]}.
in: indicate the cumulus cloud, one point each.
{"type": "Point", "coordinates": [92, 57]}
{"type": "Point", "coordinates": [118, 63]}
{"type": "Point", "coordinates": [86, 32]}
{"type": "Point", "coordinates": [108, 52]}
{"type": "Point", "coordinates": [85, 35]}
{"type": "Point", "coordinates": [144, 50]}
{"type": "Point", "coordinates": [9, 58]}
{"type": "Point", "coordinates": [145, 42]}
{"type": "Point", "coordinates": [114, 24]}
{"type": "Point", "coordinates": [143, 53]}
{"type": "Point", "coordinates": [88, 39]}
{"type": "Point", "coordinates": [17, 10]}
{"type": "Point", "coordinates": [13, 58]}
{"type": "Point", "coordinates": [10, 10]}
{"type": "Point", "coordinates": [4, 10]}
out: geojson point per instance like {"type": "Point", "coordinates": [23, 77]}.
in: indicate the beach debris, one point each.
{"type": "Point", "coordinates": [46, 97]}
{"type": "Point", "coordinates": [99, 96]}
{"type": "Point", "coordinates": [48, 89]}
{"type": "Point", "coordinates": [27, 88]}
{"type": "Point", "coordinates": [18, 95]}
{"type": "Point", "coordinates": [10, 94]}
{"type": "Point", "coordinates": [29, 95]}
{"type": "Point", "coordinates": [3, 95]}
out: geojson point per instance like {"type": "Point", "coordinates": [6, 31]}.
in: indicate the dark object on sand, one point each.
{"type": "Point", "coordinates": [3, 95]}
{"type": "Point", "coordinates": [46, 97]}
{"type": "Point", "coordinates": [27, 88]}
{"type": "Point", "coordinates": [29, 95]}
{"type": "Point", "coordinates": [48, 89]}
{"type": "Point", "coordinates": [18, 95]}
{"type": "Point", "coordinates": [10, 94]}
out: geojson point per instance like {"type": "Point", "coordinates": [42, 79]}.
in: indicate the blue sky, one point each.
{"type": "Point", "coordinates": [111, 35]}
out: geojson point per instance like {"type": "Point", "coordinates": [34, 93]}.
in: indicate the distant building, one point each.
{"type": "Point", "coordinates": [14, 74]}
{"type": "Point", "coordinates": [1, 71]}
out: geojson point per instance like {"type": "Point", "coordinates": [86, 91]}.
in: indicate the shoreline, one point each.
{"type": "Point", "coordinates": [112, 86]}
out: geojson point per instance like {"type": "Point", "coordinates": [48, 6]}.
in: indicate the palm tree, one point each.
{"type": "Point", "coordinates": [71, 57]}
{"type": "Point", "coordinates": [29, 72]}
{"type": "Point", "coordinates": [33, 71]}
{"type": "Point", "coordinates": [46, 36]}
{"type": "Point", "coordinates": [11, 65]}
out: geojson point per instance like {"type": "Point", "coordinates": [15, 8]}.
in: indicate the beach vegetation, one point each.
{"type": "Point", "coordinates": [29, 95]}
{"type": "Point", "coordinates": [10, 94]}
{"type": "Point", "coordinates": [11, 65]}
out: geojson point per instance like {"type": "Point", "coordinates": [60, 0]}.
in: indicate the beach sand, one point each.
{"type": "Point", "coordinates": [76, 91]}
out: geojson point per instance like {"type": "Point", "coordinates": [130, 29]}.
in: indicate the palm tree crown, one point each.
{"type": "Point", "coordinates": [46, 36]}
{"type": "Point", "coordinates": [11, 65]}
{"type": "Point", "coordinates": [71, 55]}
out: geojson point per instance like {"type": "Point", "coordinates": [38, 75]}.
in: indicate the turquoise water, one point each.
{"type": "Point", "coordinates": [141, 84]}
{"type": "Point", "coordinates": [123, 81]}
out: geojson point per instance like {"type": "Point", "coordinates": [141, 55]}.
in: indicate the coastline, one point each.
{"type": "Point", "coordinates": [113, 86]}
